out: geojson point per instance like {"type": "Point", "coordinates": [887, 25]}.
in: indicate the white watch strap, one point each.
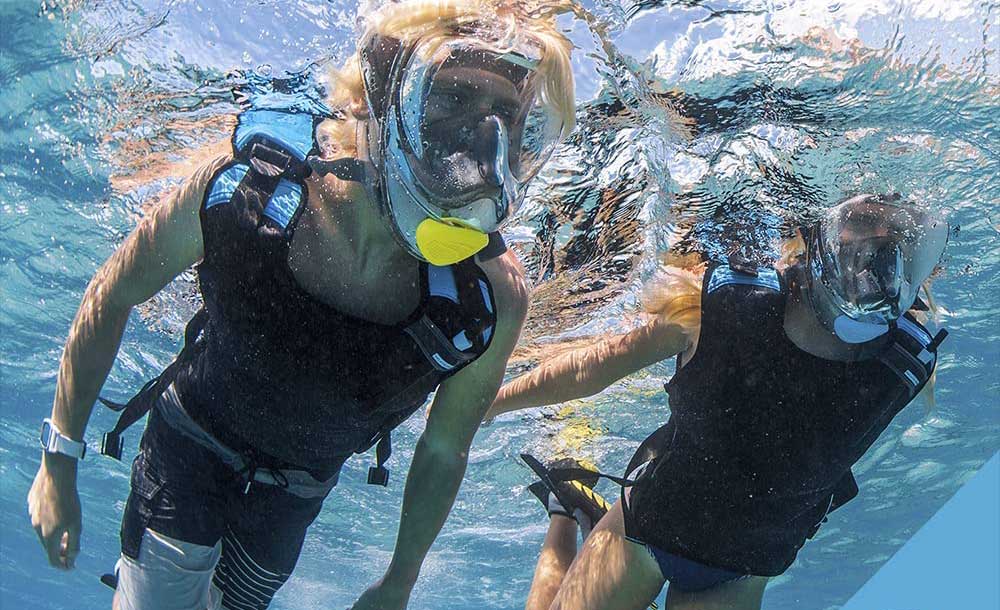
{"type": "Point", "coordinates": [60, 443]}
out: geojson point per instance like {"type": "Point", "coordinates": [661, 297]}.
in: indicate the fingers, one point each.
{"type": "Point", "coordinates": [71, 547]}
{"type": "Point", "coordinates": [62, 545]}
{"type": "Point", "coordinates": [55, 517]}
{"type": "Point", "coordinates": [53, 543]}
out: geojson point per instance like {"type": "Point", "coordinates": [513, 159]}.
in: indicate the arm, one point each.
{"type": "Point", "coordinates": [442, 452]}
{"type": "Point", "coordinates": [165, 243]}
{"type": "Point", "coordinates": [588, 370]}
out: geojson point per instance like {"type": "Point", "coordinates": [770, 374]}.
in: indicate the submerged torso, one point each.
{"type": "Point", "coordinates": [328, 262]}
{"type": "Point", "coordinates": [762, 435]}
{"type": "Point", "coordinates": [284, 371]}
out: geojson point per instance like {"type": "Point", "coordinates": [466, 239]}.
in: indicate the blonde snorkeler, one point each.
{"type": "Point", "coordinates": [785, 377]}
{"type": "Point", "coordinates": [347, 271]}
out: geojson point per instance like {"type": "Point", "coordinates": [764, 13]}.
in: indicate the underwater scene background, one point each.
{"type": "Point", "coordinates": [703, 127]}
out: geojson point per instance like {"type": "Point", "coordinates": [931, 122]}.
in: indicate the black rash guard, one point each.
{"type": "Point", "coordinates": [762, 434]}
{"type": "Point", "coordinates": [292, 379]}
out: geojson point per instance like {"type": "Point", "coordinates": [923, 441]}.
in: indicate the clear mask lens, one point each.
{"type": "Point", "coordinates": [875, 256]}
{"type": "Point", "coordinates": [473, 125]}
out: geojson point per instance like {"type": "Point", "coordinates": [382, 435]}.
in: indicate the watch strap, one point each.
{"type": "Point", "coordinates": [57, 442]}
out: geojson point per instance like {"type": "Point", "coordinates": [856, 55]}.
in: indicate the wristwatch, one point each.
{"type": "Point", "coordinates": [54, 441]}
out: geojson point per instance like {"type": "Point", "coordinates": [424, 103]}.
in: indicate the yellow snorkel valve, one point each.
{"type": "Point", "coordinates": [448, 240]}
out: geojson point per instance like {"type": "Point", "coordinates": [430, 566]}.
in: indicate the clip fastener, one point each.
{"type": "Point", "coordinates": [112, 445]}
{"type": "Point", "coordinates": [378, 475]}
{"type": "Point", "coordinates": [936, 341]}
{"type": "Point", "coordinates": [267, 154]}
{"type": "Point", "coordinates": [741, 264]}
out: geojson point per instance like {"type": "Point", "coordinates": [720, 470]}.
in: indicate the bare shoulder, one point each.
{"type": "Point", "coordinates": [193, 190]}
{"type": "Point", "coordinates": [166, 241]}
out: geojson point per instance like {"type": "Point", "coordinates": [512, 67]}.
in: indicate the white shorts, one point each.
{"type": "Point", "coordinates": [168, 575]}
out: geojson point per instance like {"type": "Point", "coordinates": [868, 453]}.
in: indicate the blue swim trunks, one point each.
{"type": "Point", "coordinates": [687, 575]}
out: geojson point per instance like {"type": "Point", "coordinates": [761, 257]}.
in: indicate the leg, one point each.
{"type": "Point", "coordinates": [611, 572]}
{"type": "Point", "coordinates": [171, 526]}
{"type": "Point", "coordinates": [557, 554]}
{"type": "Point", "coordinates": [743, 594]}
{"type": "Point", "coordinates": [261, 544]}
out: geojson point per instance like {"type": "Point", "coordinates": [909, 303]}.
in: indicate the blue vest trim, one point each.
{"type": "Point", "coordinates": [907, 325]}
{"type": "Point", "coordinates": [445, 366]}
{"type": "Point", "coordinates": [225, 184]}
{"type": "Point", "coordinates": [461, 341]}
{"type": "Point", "coordinates": [486, 297]}
{"type": "Point", "coordinates": [441, 281]}
{"type": "Point", "coordinates": [723, 275]}
{"type": "Point", "coordinates": [293, 131]}
{"type": "Point", "coordinates": [284, 203]}
{"type": "Point", "coordinates": [922, 337]}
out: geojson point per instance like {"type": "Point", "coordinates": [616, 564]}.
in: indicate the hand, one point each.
{"type": "Point", "coordinates": [383, 595]}
{"type": "Point", "coordinates": [54, 508]}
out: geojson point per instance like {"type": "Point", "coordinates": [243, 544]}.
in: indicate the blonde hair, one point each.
{"type": "Point", "coordinates": [336, 138]}
{"type": "Point", "coordinates": [439, 20]}
{"type": "Point", "coordinates": [674, 293]}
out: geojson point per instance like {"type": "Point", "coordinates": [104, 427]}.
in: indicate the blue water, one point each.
{"type": "Point", "coordinates": [790, 106]}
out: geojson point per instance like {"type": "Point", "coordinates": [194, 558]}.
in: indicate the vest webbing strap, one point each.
{"type": "Point", "coordinates": [379, 474]}
{"type": "Point", "coordinates": [436, 347]}
{"type": "Point", "coordinates": [140, 404]}
{"type": "Point", "coordinates": [470, 294]}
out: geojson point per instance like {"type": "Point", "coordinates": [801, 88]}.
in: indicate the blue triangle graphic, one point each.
{"type": "Point", "coordinates": [952, 562]}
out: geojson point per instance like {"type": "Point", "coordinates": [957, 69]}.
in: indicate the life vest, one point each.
{"type": "Point", "coordinates": [762, 435]}
{"type": "Point", "coordinates": [268, 367]}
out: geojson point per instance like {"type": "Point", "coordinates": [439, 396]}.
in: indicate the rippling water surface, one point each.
{"type": "Point", "coordinates": [704, 127]}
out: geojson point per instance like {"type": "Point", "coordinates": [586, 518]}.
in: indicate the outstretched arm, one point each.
{"type": "Point", "coordinates": [588, 370]}
{"type": "Point", "coordinates": [165, 243]}
{"type": "Point", "coordinates": [442, 452]}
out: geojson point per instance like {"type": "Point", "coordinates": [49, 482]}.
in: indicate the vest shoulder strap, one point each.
{"type": "Point", "coordinates": [265, 182]}
{"type": "Point", "coordinates": [271, 200]}
{"type": "Point", "coordinates": [725, 275]}
{"type": "Point", "coordinates": [461, 327]}
{"type": "Point", "coordinates": [912, 354]}
{"type": "Point", "coordinates": [290, 134]}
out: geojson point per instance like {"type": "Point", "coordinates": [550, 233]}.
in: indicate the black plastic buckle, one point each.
{"type": "Point", "coordinates": [378, 475]}
{"type": "Point", "coordinates": [741, 264]}
{"type": "Point", "coordinates": [271, 156]}
{"type": "Point", "coordinates": [112, 445]}
{"type": "Point", "coordinates": [936, 341]}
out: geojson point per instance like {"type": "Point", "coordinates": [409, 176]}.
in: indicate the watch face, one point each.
{"type": "Point", "coordinates": [46, 434]}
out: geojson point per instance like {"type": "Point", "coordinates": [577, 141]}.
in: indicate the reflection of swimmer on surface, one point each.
{"type": "Point", "coordinates": [786, 376]}
{"type": "Point", "coordinates": [343, 281]}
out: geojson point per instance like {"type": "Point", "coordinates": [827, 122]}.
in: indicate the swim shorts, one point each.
{"type": "Point", "coordinates": [201, 529]}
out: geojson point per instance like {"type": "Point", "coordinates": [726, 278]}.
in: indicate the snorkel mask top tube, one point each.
{"type": "Point", "coordinates": [866, 260]}
{"type": "Point", "coordinates": [457, 129]}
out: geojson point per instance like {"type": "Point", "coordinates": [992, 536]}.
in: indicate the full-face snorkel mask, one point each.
{"type": "Point", "coordinates": [458, 129]}
{"type": "Point", "coordinates": [866, 260]}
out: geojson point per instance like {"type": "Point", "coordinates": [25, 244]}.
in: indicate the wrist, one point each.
{"type": "Point", "coordinates": [54, 441]}
{"type": "Point", "coordinates": [60, 466]}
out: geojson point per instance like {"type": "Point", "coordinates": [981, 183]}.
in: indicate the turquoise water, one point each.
{"type": "Point", "coordinates": [702, 126]}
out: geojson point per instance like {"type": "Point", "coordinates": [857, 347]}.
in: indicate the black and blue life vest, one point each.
{"type": "Point", "coordinates": [762, 435]}
{"type": "Point", "coordinates": [272, 371]}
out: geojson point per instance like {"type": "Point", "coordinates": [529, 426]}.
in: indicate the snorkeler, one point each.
{"type": "Point", "coordinates": [785, 377]}
{"type": "Point", "coordinates": [338, 293]}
